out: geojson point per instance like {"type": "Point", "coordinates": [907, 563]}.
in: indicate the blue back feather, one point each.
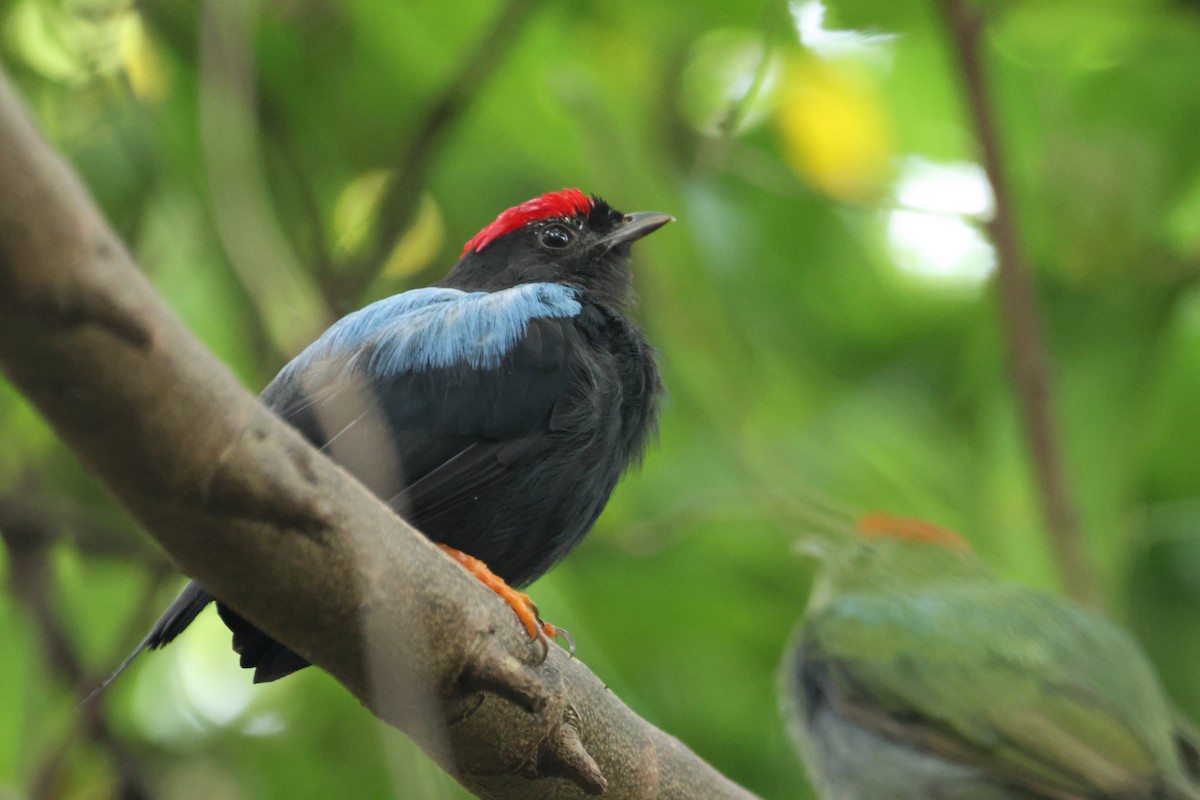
{"type": "Point", "coordinates": [435, 327]}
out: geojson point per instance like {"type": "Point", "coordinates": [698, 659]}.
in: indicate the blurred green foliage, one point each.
{"type": "Point", "coordinates": [823, 308]}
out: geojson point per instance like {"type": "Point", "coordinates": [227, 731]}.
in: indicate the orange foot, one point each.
{"type": "Point", "coordinates": [527, 610]}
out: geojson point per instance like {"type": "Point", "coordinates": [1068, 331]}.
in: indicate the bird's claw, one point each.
{"type": "Point", "coordinates": [562, 633]}
{"type": "Point", "coordinates": [543, 632]}
{"type": "Point", "coordinates": [555, 632]}
{"type": "Point", "coordinates": [521, 603]}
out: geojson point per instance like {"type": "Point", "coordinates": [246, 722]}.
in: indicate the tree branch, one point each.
{"type": "Point", "coordinates": [1028, 358]}
{"type": "Point", "coordinates": [282, 534]}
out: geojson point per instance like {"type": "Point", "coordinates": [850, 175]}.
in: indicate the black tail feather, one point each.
{"type": "Point", "coordinates": [190, 602]}
{"type": "Point", "coordinates": [269, 659]}
{"type": "Point", "coordinates": [178, 616]}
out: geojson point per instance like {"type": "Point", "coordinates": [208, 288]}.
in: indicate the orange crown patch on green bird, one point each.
{"type": "Point", "coordinates": [878, 525]}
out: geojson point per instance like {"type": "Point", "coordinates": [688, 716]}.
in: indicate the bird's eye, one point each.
{"type": "Point", "coordinates": [556, 237]}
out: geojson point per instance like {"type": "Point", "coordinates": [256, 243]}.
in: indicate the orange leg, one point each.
{"type": "Point", "coordinates": [527, 610]}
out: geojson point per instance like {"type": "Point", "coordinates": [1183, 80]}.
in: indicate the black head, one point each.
{"type": "Point", "coordinates": [560, 237]}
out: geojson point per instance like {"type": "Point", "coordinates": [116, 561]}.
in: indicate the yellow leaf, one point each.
{"type": "Point", "coordinates": [836, 132]}
{"type": "Point", "coordinates": [355, 216]}
{"type": "Point", "coordinates": [142, 61]}
{"type": "Point", "coordinates": [420, 244]}
{"type": "Point", "coordinates": [355, 208]}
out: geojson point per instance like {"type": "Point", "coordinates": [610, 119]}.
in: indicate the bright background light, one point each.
{"type": "Point", "coordinates": [809, 19]}
{"type": "Point", "coordinates": [209, 690]}
{"type": "Point", "coordinates": [935, 229]}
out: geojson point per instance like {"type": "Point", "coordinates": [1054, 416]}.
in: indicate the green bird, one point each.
{"type": "Point", "coordinates": [918, 674]}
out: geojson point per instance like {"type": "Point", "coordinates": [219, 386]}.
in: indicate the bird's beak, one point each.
{"type": "Point", "coordinates": [635, 226]}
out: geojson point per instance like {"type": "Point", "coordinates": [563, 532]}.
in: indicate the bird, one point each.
{"type": "Point", "coordinates": [917, 674]}
{"type": "Point", "coordinates": [495, 411]}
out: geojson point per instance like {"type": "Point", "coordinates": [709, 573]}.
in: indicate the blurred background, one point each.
{"type": "Point", "coordinates": [825, 308]}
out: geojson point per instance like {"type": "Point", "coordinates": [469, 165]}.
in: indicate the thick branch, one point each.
{"type": "Point", "coordinates": [243, 504]}
{"type": "Point", "coordinates": [1027, 355]}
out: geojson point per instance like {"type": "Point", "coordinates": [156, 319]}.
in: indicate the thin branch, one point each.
{"type": "Point", "coordinates": [1028, 357]}
{"type": "Point", "coordinates": [409, 173]}
{"type": "Point", "coordinates": [322, 250]}
{"type": "Point", "coordinates": [58, 516]}
{"type": "Point", "coordinates": [287, 301]}
{"type": "Point", "coordinates": [343, 287]}
{"type": "Point", "coordinates": [739, 107]}
{"type": "Point", "coordinates": [242, 503]}
{"type": "Point", "coordinates": [27, 537]}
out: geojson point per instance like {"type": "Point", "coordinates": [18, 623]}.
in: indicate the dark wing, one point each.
{"type": "Point", "coordinates": [434, 403]}
{"type": "Point", "coordinates": [429, 439]}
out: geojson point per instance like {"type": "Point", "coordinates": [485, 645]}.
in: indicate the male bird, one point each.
{"type": "Point", "coordinates": [917, 674]}
{"type": "Point", "coordinates": [494, 411]}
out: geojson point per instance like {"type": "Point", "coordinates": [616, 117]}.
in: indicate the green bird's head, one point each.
{"type": "Point", "coordinates": [885, 551]}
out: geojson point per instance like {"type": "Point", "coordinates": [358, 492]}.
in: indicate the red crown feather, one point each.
{"type": "Point", "coordinates": [879, 525]}
{"type": "Point", "coordinates": [567, 203]}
